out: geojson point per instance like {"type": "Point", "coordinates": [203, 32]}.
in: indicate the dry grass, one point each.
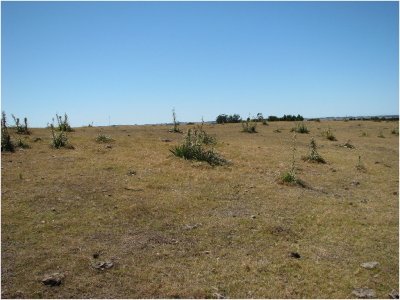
{"type": "Point", "coordinates": [176, 228]}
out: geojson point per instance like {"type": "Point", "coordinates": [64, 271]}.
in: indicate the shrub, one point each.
{"type": "Point", "coordinates": [264, 122]}
{"type": "Point", "coordinates": [314, 156]}
{"type": "Point", "coordinates": [380, 135]}
{"type": "Point", "coordinates": [395, 131]}
{"type": "Point", "coordinates": [6, 142]}
{"type": "Point", "coordinates": [300, 128]}
{"type": "Point", "coordinates": [249, 126]}
{"type": "Point", "coordinates": [21, 129]}
{"type": "Point", "coordinates": [102, 138]}
{"type": "Point", "coordinates": [329, 135]}
{"type": "Point", "coordinates": [63, 124]}
{"type": "Point", "coordinates": [192, 149]}
{"type": "Point", "coordinates": [364, 134]}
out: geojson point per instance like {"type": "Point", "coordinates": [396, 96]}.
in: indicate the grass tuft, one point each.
{"type": "Point", "coordinates": [192, 149]}
{"type": "Point", "coordinates": [300, 128]}
{"type": "Point", "coordinates": [102, 138]}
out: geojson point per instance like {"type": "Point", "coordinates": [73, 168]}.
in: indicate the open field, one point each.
{"type": "Point", "coordinates": [175, 228]}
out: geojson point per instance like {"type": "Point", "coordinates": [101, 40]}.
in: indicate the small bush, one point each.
{"type": "Point", "coordinates": [277, 131]}
{"type": "Point", "coordinates": [395, 131]}
{"type": "Point", "coordinates": [249, 126]}
{"type": "Point", "coordinates": [264, 122]}
{"type": "Point", "coordinates": [288, 177]}
{"type": "Point", "coordinates": [21, 129]}
{"type": "Point", "coordinates": [314, 156]}
{"type": "Point", "coordinates": [329, 135]}
{"type": "Point", "coordinates": [6, 142]}
{"type": "Point", "coordinates": [102, 138]}
{"type": "Point", "coordinates": [300, 128]}
{"type": "Point", "coordinates": [63, 124]}
{"type": "Point", "coordinates": [364, 134]}
{"type": "Point", "coordinates": [22, 144]}
{"type": "Point", "coordinates": [192, 149]}
{"type": "Point", "coordinates": [380, 135]}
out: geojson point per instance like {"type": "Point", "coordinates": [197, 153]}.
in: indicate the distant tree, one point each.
{"type": "Point", "coordinates": [273, 118]}
{"type": "Point", "coordinates": [221, 119]}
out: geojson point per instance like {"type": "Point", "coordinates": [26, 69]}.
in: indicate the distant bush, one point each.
{"type": "Point", "coordinates": [314, 156]}
{"type": "Point", "coordinates": [6, 142]}
{"type": "Point", "coordinates": [102, 138]}
{"type": "Point", "coordinates": [249, 126]}
{"type": "Point", "coordinates": [329, 135]}
{"type": "Point", "coordinates": [63, 124]}
{"type": "Point", "coordinates": [222, 119]}
{"type": "Point", "coordinates": [395, 131]}
{"type": "Point", "coordinates": [59, 139]}
{"type": "Point", "coordinates": [286, 118]}
{"type": "Point", "coordinates": [192, 149]}
{"type": "Point", "coordinates": [364, 134]}
{"type": "Point", "coordinates": [300, 128]}
{"type": "Point", "coordinates": [21, 129]}
{"type": "Point", "coordinates": [380, 135]}
{"type": "Point", "coordinates": [315, 120]}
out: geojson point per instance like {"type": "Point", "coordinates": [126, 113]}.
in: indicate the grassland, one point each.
{"type": "Point", "coordinates": [181, 229]}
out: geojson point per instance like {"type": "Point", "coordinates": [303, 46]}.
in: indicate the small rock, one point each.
{"type": "Point", "coordinates": [108, 147]}
{"type": "Point", "coordinates": [394, 193]}
{"type": "Point", "coordinates": [131, 172]}
{"type": "Point", "coordinates": [218, 296]}
{"type": "Point", "coordinates": [364, 293]}
{"type": "Point", "coordinates": [190, 227]}
{"type": "Point", "coordinates": [394, 294]}
{"type": "Point", "coordinates": [253, 216]}
{"type": "Point", "coordinates": [102, 265]}
{"type": "Point", "coordinates": [207, 252]}
{"type": "Point", "coordinates": [166, 140]}
{"type": "Point", "coordinates": [53, 209]}
{"type": "Point", "coordinates": [370, 264]}
{"type": "Point", "coordinates": [295, 255]}
{"type": "Point", "coordinates": [96, 255]}
{"type": "Point", "coordinates": [54, 279]}
{"type": "Point", "coordinates": [355, 183]}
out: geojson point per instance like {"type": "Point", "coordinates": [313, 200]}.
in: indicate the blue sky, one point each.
{"type": "Point", "coordinates": [135, 61]}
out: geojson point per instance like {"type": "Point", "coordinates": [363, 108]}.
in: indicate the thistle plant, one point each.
{"type": "Point", "coordinates": [21, 129]}
{"type": "Point", "coordinates": [314, 155]}
{"type": "Point", "coordinates": [329, 135]}
{"type": "Point", "coordinates": [290, 176]}
{"type": "Point", "coordinates": [6, 142]}
{"type": "Point", "coordinates": [176, 123]}
{"type": "Point", "coordinates": [249, 126]}
{"type": "Point", "coordinates": [63, 124]}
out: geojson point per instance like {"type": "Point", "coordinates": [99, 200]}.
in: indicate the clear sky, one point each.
{"type": "Point", "coordinates": [135, 61]}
